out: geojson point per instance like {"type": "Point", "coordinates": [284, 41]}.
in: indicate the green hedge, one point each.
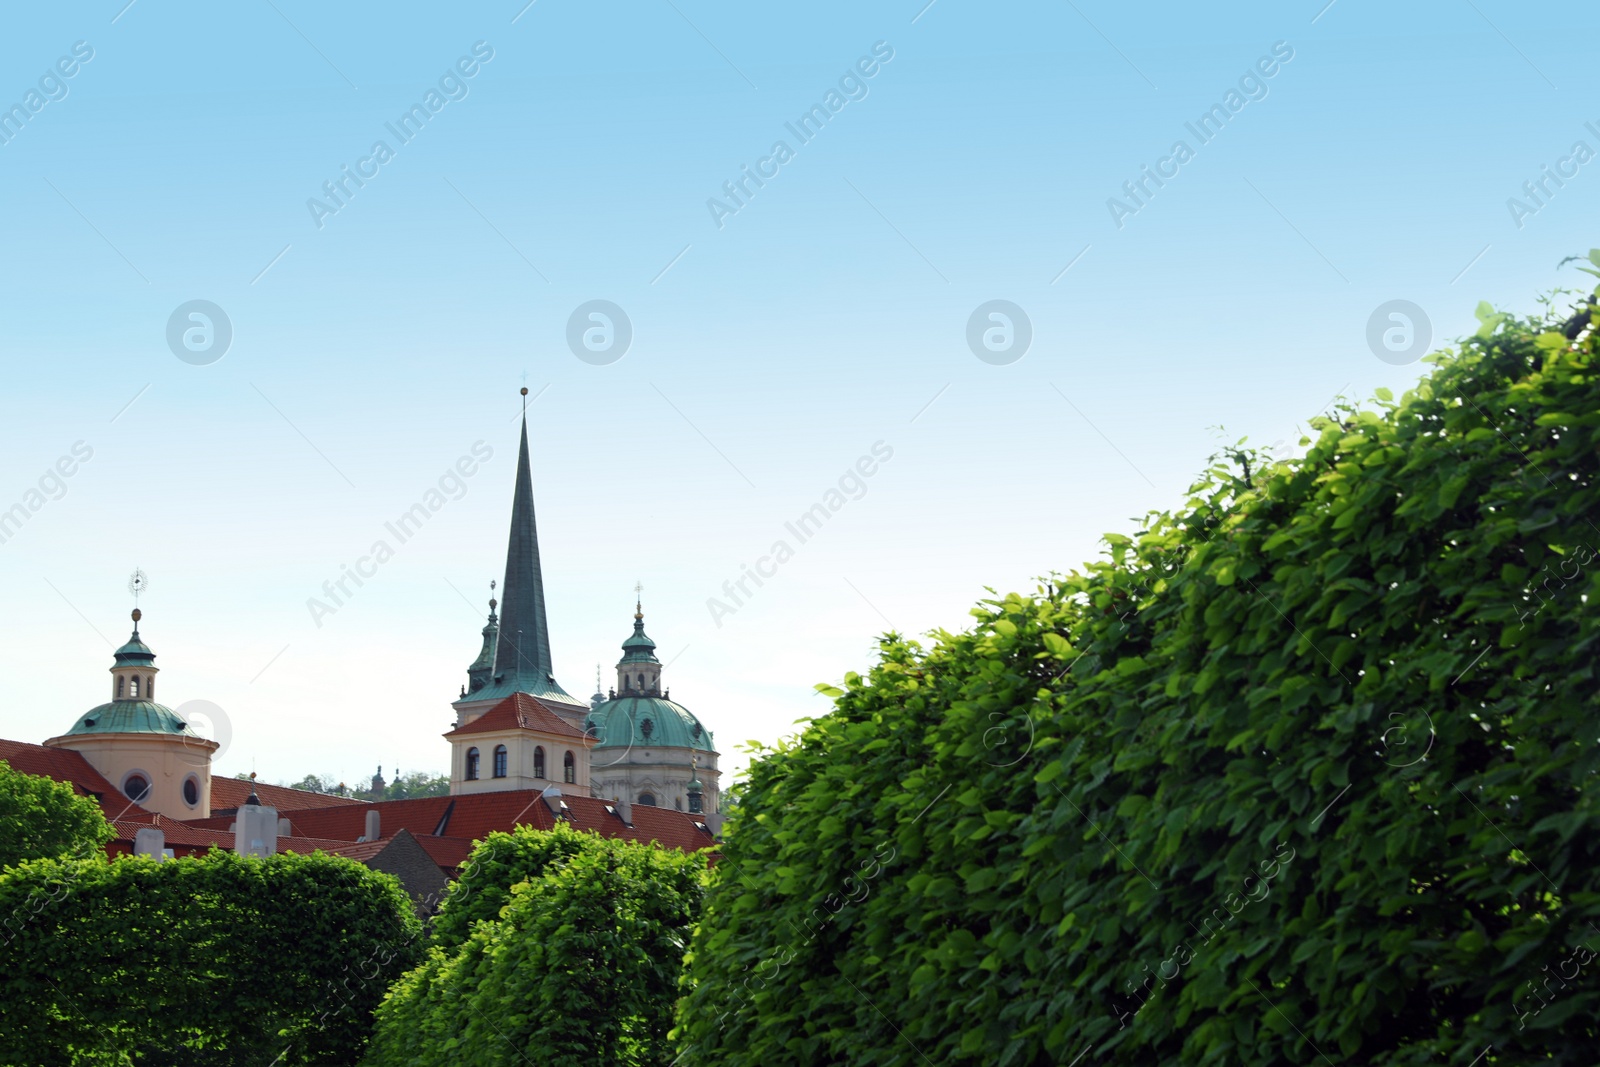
{"type": "Point", "coordinates": [1301, 773]}
{"type": "Point", "coordinates": [214, 960]}
{"type": "Point", "coordinates": [580, 968]}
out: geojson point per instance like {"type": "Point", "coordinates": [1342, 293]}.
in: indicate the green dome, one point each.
{"type": "Point", "coordinates": [132, 717]}
{"type": "Point", "coordinates": [135, 653]}
{"type": "Point", "coordinates": [647, 722]}
{"type": "Point", "coordinates": [638, 648]}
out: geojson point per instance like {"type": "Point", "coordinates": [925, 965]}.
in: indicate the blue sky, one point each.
{"type": "Point", "coordinates": [769, 353]}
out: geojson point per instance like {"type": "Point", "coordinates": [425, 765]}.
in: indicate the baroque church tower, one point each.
{"type": "Point", "coordinates": [516, 728]}
{"type": "Point", "coordinates": [143, 748]}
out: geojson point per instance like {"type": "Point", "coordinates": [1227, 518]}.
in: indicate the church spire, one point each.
{"type": "Point", "coordinates": [522, 658]}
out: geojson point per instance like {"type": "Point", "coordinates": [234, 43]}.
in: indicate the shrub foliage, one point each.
{"type": "Point", "coordinates": [1299, 773]}
{"type": "Point", "coordinates": [41, 818]}
{"type": "Point", "coordinates": [579, 966]}
{"type": "Point", "coordinates": [214, 960]}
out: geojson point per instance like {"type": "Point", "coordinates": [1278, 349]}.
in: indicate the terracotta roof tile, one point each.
{"type": "Point", "coordinates": [231, 792]}
{"type": "Point", "coordinates": [519, 712]}
{"type": "Point", "coordinates": [65, 765]}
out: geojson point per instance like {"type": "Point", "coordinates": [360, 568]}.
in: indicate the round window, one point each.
{"type": "Point", "coordinates": [136, 787]}
{"type": "Point", "coordinates": [191, 791]}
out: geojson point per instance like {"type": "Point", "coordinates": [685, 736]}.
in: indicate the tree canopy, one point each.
{"type": "Point", "coordinates": [1300, 771]}
{"type": "Point", "coordinates": [41, 818]}
{"type": "Point", "coordinates": [579, 967]}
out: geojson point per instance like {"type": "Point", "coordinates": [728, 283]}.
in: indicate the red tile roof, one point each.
{"type": "Point", "coordinates": [188, 837]}
{"type": "Point", "coordinates": [65, 765]}
{"type": "Point", "coordinates": [339, 821]}
{"type": "Point", "coordinates": [519, 711]}
{"type": "Point", "coordinates": [232, 792]}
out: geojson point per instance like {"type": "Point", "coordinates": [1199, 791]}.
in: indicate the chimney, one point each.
{"type": "Point", "coordinates": [283, 828]}
{"type": "Point", "coordinates": [372, 824]}
{"type": "Point", "coordinates": [552, 800]}
{"type": "Point", "coordinates": [713, 820]}
{"type": "Point", "coordinates": [150, 841]}
{"type": "Point", "coordinates": [624, 810]}
{"type": "Point", "coordinates": [257, 829]}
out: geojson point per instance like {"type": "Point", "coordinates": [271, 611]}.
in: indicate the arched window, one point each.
{"type": "Point", "coordinates": [641, 681]}
{"type": "Point", "coordinates": [499, 761]}
{"type": "Point", "coordinates": [569, 768]}
{"type": "Point", "coordinates": [150, 688]}
{"type": "Point", "coordinates": [134, 688]}
{"type": "Point", "coordinates": [136, 787]}
{"type": "Point", "coordinates": [472, 765]}
{"type": "Point", "coordinates": [647, 799]}
{"type": "Point", "coordinates": [538, 762]}
{"type": "Point", "coordinates": [121, 683]}
{"type": "Point", "coordinates": [627, 683]}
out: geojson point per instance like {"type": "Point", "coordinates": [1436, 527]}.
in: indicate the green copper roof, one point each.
{"type": "Point", "coordinates": [647, 722]}
{"type": "Point", "coordinates": [523, 683]}
{"type": "Point", "coordinates": [522, 655]}
{"type": "Point", "coordinates": [639, 648]}
{"type": "Point", "coordinates": [135, 653]}
{"type": "Point", "coordinates": [132, 717]}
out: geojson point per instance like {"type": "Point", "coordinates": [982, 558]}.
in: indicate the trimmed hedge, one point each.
{"type": "Point", "coordinates": [1300, 773]}
{"type": "Point", "coordinates": [579, 968]}
{"type": "Point", "coordinates": [208, 960]}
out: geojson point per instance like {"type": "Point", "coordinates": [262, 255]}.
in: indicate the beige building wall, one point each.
{"type": "Point", "coordinates": [165, 762]}
{"type": "Point", "coordinates": [521, 756]}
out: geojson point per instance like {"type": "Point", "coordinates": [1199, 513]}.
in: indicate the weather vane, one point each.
{"type": "Point", "coordinates": [138, 582]}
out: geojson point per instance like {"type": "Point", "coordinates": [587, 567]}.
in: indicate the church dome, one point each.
{"type": "Point", "coordinates": [647, 722]}
{"type": "Point", "coordinates": [132, 717]}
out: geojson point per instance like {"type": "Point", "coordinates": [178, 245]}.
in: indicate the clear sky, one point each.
{"type": "Point", "coordinates": [572, 153]}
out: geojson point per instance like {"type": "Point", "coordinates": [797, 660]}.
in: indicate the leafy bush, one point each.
{"type": "Point", "coordinates": [581, 967]}
{"type": "Point", "coordinates": [41, 818]}
{"type": "Point", "coordinates": [1300, 773]}
{"type": "Point", "coordinates": [499, 862]}
{"type": "Point", "coordinates": [214, 960]}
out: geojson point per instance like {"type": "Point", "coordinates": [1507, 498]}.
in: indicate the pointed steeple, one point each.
{"type": "Point", "coordinates": [522, 658]}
